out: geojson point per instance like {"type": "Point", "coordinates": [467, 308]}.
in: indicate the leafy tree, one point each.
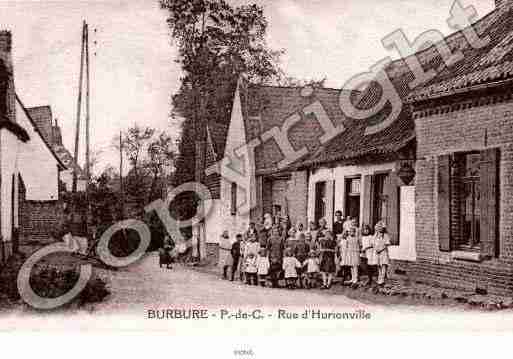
{"type": "Point", "coordinates": [216, 44]}
{"type": "Point", "coordinates": [160, 157]}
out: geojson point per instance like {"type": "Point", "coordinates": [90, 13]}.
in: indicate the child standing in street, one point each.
{"type": "Point", "coordinates": [290, 267]}
{"type": "Point", "coordinates": [343, 256]}
{"type": "Point", "coordinates": [381, 243]}
{"type": "Point", "coordinates": [353, 254]}
{"type": "Point", "coordinates": [263, 266]}
{"type": "Point", "coordinates": [311, 265]}
{"type": "Point", "coordinates": [368, 255]}
{"type": "Point", "coordinates": [251, 269]}
{"type": "Point", "coordinates": [327, 267]}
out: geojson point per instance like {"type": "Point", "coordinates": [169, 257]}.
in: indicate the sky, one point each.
{"type": "Point", "coordinates": [133, 72]}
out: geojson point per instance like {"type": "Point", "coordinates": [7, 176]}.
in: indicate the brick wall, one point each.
{"type": "Point", "coordinates": [6, 251]}
{"type": "Point", "coordinates": [297, 194]}
{"type": "Point", "coordinates": [212, 253]}
{"type": "Point", "coordinates": [474, 128]}
{"type": "Point", "coordinates": [39, 219]}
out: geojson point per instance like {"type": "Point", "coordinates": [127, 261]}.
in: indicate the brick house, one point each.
{"type": "Point", "coordinates": [265, 181]}
{"type": "Point", "coordinates": [464, 182]}
{"type": "Point", "coordinates": [29, 167]}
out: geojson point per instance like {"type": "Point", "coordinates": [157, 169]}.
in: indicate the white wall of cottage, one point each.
{"type": "Point", "coordinates": [9, 149]}
{"type": "Point", "coordinates": [406, 249]}
{"type": "Point", "coordinates": [36, 163]}
{"type": "Point", "coordinates": [220, 217]}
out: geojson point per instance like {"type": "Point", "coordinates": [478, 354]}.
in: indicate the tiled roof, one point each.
{"type": "Point", "coordinates": [487, 64]}
{"type": "Point", "coordinates": [42, 116]}
{"type": "Point", "coordinates": [491, 63]}
{"type": "Point", "coordinates": [265, 107]}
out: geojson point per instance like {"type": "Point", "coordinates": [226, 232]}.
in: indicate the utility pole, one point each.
{"type": "Point", "coordinates": [121, 189]}
{"type": "Point", "coordinates": [88, 163]}
{"type": "Point", "coordinates": [79, 108]}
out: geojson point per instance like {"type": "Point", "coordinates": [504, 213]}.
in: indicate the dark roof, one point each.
{"type": "Point", "coordinates": [36, 128]}
{"type": "Point", "coordinates": [495, 61]}
{"type": "Point", "coordinates": [42, 117]}
{"type": "Point", "coordinates": [353, 142]}
{"type": "Point", "coordinates": [264, 107]}
{"type": "Point", "coordinates": [491, 63]}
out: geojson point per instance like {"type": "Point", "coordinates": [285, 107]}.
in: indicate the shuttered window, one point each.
{"type": "Point", "coordinates": [468, 201]}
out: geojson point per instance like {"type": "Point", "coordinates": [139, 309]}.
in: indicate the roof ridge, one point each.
{"type": "Point", "coordinates": [451, 37]}
{"type": "Point", "coordinates": [300, 87]}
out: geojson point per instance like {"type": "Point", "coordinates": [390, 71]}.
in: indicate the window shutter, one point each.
{"type": "Point", "coordinates": [330, 197]}
{"type": "Point", "coordinates": [233, 205]}
{"type": "Point", "coordinates": [368, 194]}
{"type": "Point", "coordinates": [444, 199]}
{"type": "Point", "coordinates": [489, 174]}
{"type": "Point", "coordinates": [391, 190]}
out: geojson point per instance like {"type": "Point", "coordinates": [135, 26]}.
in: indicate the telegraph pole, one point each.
{"type": "Point", "coordinates": [88, 163]}
{"type": "Point", "coordinates": [121, 189]}
{"type": "Point", "coordinates": [79, 108]}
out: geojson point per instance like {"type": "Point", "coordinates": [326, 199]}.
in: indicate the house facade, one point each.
{"type": "Point", "coordinates": [270, 129]}
{"type": "Point", "coordinates": [464, 127]}
{"type": "Point", "coordinates": [439, 174]}
{"type": "Point", "coordinates": [29, 168]}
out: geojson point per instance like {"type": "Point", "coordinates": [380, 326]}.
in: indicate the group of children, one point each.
{"type": "Point", "coordinates": [306, 257]}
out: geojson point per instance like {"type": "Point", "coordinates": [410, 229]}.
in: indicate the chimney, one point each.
{"type": "Point", "coordinates": [57, 135]}
{"type": "Point", "coordinates": [7, 91]}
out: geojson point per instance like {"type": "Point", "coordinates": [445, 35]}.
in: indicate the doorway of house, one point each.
{"type": "Point", "coordinates": [320, 201]}
{"type": "Point", "coordinates": [352, 200]}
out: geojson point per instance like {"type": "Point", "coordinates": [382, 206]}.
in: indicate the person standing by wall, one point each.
{"type": "Point", "coordinates": [235, 252]}
{"type": "Point", "coordinates": [225, 255]}
{"type": "Point", "coordinates": [275, 247]}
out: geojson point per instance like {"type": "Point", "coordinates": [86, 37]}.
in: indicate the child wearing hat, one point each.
{"type": "Point", "coordinates": [381, 242]}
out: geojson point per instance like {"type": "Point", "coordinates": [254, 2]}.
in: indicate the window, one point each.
{"type": "Point", "coordinates": [354, 186]}
{"type": "Point", "coordinates": [380, 198]}
{"type": "Point", "coordinates": [465, 200]}
{"type": "Point", "coordinates": [352, 198]}
{"type": "Point", "coordinates": [233, 206]}
{"type": "Point", "coordinates": [468, 202]}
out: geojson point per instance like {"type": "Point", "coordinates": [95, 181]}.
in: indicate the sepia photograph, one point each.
{"type": "Point", "coordinates": [256, 167]}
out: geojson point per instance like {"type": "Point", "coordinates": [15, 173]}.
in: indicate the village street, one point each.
{"type": "Point", "coordinates": [146, 286]}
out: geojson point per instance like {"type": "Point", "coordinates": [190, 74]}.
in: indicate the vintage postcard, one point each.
{"type": "Point", "coordinates": [256, 167]}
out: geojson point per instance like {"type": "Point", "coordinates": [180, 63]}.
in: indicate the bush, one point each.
{"type": "Point", "coordinates": [51, 282]}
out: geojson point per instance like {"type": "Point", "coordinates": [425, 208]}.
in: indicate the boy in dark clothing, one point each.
{"type": "Point", "coordinates": [235, 251]}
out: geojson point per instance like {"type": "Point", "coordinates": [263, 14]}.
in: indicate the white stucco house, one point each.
{"type": "Point", "coordinates": [29, 168]}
